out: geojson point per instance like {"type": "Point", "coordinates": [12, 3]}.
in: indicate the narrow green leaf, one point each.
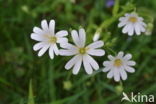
{"type": "Point", "coordinates": [116, 7]}
{"type": "Point", "coordinates": [31, 97]}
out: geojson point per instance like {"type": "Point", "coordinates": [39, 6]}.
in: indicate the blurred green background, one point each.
{"type": "Point", "coordinates": [27, 79]}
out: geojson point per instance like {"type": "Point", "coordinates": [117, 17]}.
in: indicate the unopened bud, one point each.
{"type": "Point", "coordinates": [67, 85]}
{"type": "Point", "coordinates": [96, 36]}
{"type": "Point", "coordinates": [149, 29]}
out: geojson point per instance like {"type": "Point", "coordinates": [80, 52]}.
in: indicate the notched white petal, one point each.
{"type": "Point", "coordinates": [76, 38]}
{"type": "Point", "coordinates": [106, 63]}
{"type": "Point", "coordinates": [106, 69]}
{"type": "Point", "coordinates": [62, 33]}
{"type": "Point", "coordinates": [87, 66]}
{"type": "Point", "coordinates": [96, 44]}
{"type": "Point", "coordinates": [37, 37]}
{"type": "Point", "coordinates": [110, 57]}
{"type": "Point", "coordinates": [120, 54]}
{"type": "Point", "coordinates": [110, 74]}
{"type": "Point", "coordinates": [92, 62]}
{"type": "Point", "coordinates": [127, 56]}
{"type": "Point", "coordinates": [77, 66]}
{"type": "Point", "coordinates": [71, 62]}
{"type": "Point", "coordinates": [123, 74]}
{"type": "Point", "coordinates": [52, 26]}
{"type": "Point", "coordinates": [43, 50]}
{"type": "Point", "coordinates": [37, 30]}
{"type": "Point", "coordinates": [51, 52]}
{"type": "Point", "coordinates": [82, 36]}
{"type": "Point", "coordinates": [131, 63]}
{"type": "Point", "coordinates": [96, 52]}
{"type": "Point", "coordinates": [116, 75]}
{"type": "Point", "coordinates": [68, 46]}
{"type": "Point", "coordinates": [62, 40]}
{"type": "Point", "coordinates": [129, 69]}
{"type": "Point", "coordinates": [38, 46]}
{"type": "Point", "coordinates": [56, 50]}
{"type": "Point", "coordinates": [44, 25]}
{"type": "Point", "coordinates": [67, 52]}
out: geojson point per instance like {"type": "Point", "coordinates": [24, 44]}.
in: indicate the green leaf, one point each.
{"type": "Point", "coordinates": [31, 97]}
{"type": "Point", "coordinates": [116, 7]}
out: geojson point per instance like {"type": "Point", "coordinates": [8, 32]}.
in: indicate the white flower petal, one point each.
{"type": "Point", "coordinates": [120, 54]}
{"type": "Point", "coordinates": [110, 57]}
{"type": "Point", "coordinates": [67, 52]}
{"type": "Point", "coordinates": [107, 63]}
{"type": "Point", "coordinates": [142, 29]}
{"type": "Point", "coordinates": [87, 66]}
{"type": "Point", "coordinates": [129, 69]}
{"type": "Point", "coordinates": [62, 40]}
{"type": "Point", "coordinates": [131, 30]}
{"type": "Point", "coordinates": [51, 51]}
{"type": "Point", "coordinates": [96, 52]}
{"type": "Point", "coordinates": [123, 74]}
{"type": "Point", "coordinates": [77, 66]}
{"type": "Point", "coordinates": [137, 29]}
{"type": "Point", "coordinates": [69, 46]}
{"type": "Point", "coordinates": [92, 62]}
{"type": "Point", "coordinates": [56, 50]}
{"type": "Point", "coordinates": [82, 35]}
{"type": "Point", "coordinates": [116, 74]}
{"type": "Point", "coordinates": [131, 63]}
{"type": "Point", "coordinates": [43, 50]}
{"type": "Point", "coordinates": [96, 44]}
{"type": "Point", "coordinates": [127, 57]}
{"type": "Point", "coordinates": [122, 19]}
{"type": "Point", "coordinates": [52, 27]}
{"type": "Point", "coordinates": [127, 14]}
{"type": "Point", "coordinates": [72, 62]}
{"type": "Point", "coordinates": [62, 33]}
{"type": "Point", "coordinates": [44, 25]}
{"type": "Point", "coordinates": [126, 28]}
{"type": "Point", "coordinates": [110, 74]}
{"type": "Point", "coordinates": [37, 37]}
{"type": "Point", "coordinates": [39, 45]}
{"type": "Point", "coordinates": [121, 24]}
{"type": "Point", "coordinates": [106, 69]}
{"type": "Point", "coordinates": [38, 30]}
{"type": "Point", "coordinates": [75, 38]}
{"type": "Point", "coordinates": [140, 18]}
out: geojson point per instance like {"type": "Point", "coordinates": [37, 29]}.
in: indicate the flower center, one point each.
{"type": "Point", "coordinates": [52, 39]}
{"type": "Point", "coordinates": [117, 62]}
{"type": "Point", "coordinates": [82, 50]}
{"type": "Point", "coordinates": [133, 19]}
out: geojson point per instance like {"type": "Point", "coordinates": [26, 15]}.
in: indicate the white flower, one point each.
{"type": "Point", "coordinates": [47, 38]}
{"type": "Point", "coordinates": [132, 23]}
{"type": "Point", "coordinates": [82, 53]}
{"type": "Point", "coordinates": [118, 65]}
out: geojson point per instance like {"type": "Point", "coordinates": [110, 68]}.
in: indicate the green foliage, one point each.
{"type": "Point", "coordinates": [31, 96]}
{"type": "Point", "coordinates": [28, 79]}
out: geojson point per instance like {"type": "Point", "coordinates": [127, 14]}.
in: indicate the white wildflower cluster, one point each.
{"type": "Point", "coordinates": [117, 66]}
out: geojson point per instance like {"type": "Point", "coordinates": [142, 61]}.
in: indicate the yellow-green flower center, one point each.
{"type": "Point", "coordinates": [52, 39]}
{"type": "Point", "coordinates": [133, 19]}
{"type": "Point", "coordinates": [117, 62]}
{"type": "Point", "coordinates": [82, 50]}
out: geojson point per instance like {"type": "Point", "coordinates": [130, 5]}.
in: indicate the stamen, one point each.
{"type": "Point", "coordinates": [133, 19]}
{"type": "Point", "coordinates": [82, 50]}
{"type": "Point", "coordinates": [117, 62]}
{"type": "Point", "coordinates": [52, 39]}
